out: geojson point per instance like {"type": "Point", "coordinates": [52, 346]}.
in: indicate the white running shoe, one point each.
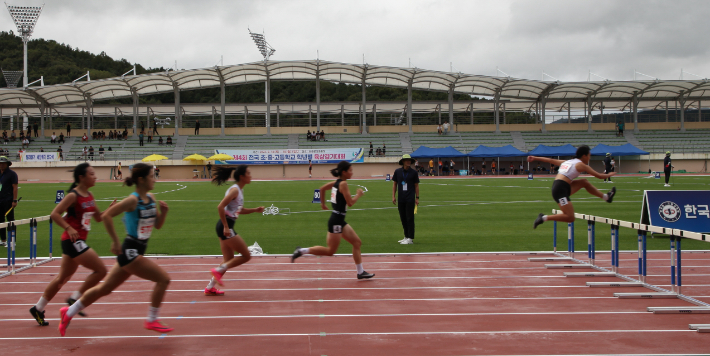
{"type": "Point", "coordinates": [402, 240]}
{"type": "Point", "coordinates": [666, 185]}
{"type": "Point", "coordinates": [407, 241]}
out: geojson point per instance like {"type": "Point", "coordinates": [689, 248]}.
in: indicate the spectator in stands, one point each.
{"type": "Point", "coordinates": [93, 135]}
{"type": "Point", "coordinates": [22, 135]}
{"type": "Point", "coordinates": [110, 135]}
{"type": "Point", "coordinates": [68, 130]}
{"type": "Point", "coordinates": [438, 129]}
{"type": "Point", "coordinates": [142, 126]}
{"type": "Point", "coordinates": [197, 127]}
{"type": "Point", "coordinates": [26, 143]}
{"type": "Point", "coordinates": [109, 149]}
{"type": "Point", "coordinates": [101, 152]}
{"type": "Point", "coordinates": [322, 135]}
{"type": "Point", "coordinates": [84, 138]}
{"type": "Point", "coordinates": [308, 135]}
{"type": "Point", "coordinates": [13, 136]}
{"type": "Point", "coordinates": [91, 153]}
{"type": "Point", "coordinates": [4, 134]}
{"type": "Point", "coordinates": [84, 152]}
{"type": "Point", "coordinates": [370, 154]}
{"type": "Point", "coordinates": [140, 139]}
{"type": "Point", "coordinates": [54, 138]}
{"type": "Point", "coordinates": [36, 128]}
{"type": "Point", "coordinates": [41, 149]}
{"type": "Point", "coordinates": [19, 154]}
{"type": "Point", "coordinates": [169, 141]}
{"type": "Point", "coordinates": [446, 128]}
{"type": "Point", "coordinates": [61, 137]}
{"type": "Point", "coordinates": [378, 151]}
{"type": "Point", "coordinates": [150, 137]}
{"type": "Point", "coordinates": [125, 133]}
{"type": "Point", "coordinates": [155, 128]}
{"type": "Point", "coordinates": [160, 140]}
{"type": "Point", "coordinates": [621, 128]}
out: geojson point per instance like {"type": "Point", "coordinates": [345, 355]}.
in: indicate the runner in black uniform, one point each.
{"type": "Point", "coordinates": [337, 227]}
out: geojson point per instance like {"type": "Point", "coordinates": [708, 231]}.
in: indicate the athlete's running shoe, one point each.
{"type": "Point", "coordinates": [64, 320]}
{"type": "Point", "coordinates": [39, 316]}
{"type": "Point", "coordinates": [365, 275]}
{"type": "Point", "coordinates": [155, 325]}
{"type": "Point", "coordinates": [71, 301]}
{"type": "Point", "coordinates": [538, 221]}
{"type": "Point", "coordinates": [610, 195]}
{"type": "Point", "coordinates": [213, 291]}
{"type": "Point", "coordinates": [4, 244]}
{"type": "Point", "coordinates": [296, 254]}
{"type": "Point", "coordinates": [217, 276]}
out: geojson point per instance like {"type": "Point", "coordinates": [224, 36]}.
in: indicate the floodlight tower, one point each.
{"type": "Point", "coordinates": [266, 51]}
{"type": "Point", "coordinates": [25, 18]}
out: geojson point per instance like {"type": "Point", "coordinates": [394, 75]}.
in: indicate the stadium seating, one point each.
{"type": "Point", "coordinates": [692, 141]}
{"type": "Point", "coordinates": [464, 142]}
{"type": "Point", "coordinates": [575, 138]}
{"type": "Point", "coordinates": [205, 145]}
{"type": "Point", "coordinates": [391, 140]}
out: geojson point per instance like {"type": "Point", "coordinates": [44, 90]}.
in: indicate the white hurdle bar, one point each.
{"type": "Point", "coordinates": [11, 227]}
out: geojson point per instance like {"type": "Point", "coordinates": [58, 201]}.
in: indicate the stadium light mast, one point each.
{"type": "Point", "coordinates": [25, 18]}
{"type": "Point", "coordinates": [266, 51]}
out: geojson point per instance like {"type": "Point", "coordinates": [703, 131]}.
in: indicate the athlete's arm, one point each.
{"type": "Point", "coordinates": [394, 192]}
{"type": "Point", "coordinates": [416, 191]}
{"type": "Point", "coordinates": [162, 214]}
{"type": "Point", "coordinates": [97, 215]}
{"type": "Point", "coordinates": [233, 194]}
{"type": "Point", "coordinates": [581, 167]}
{"type": "Point", "coordinates": [556, 162]}
{"type": "Point", "coordinates": [127, 204]}
{"type": "Point", "coordinates": [345, 190]}
{"type": "Point", "coordinates": [323, 189]}
{"type": "Point", "coordinates": [56, 215]}
{"type": "Point", "coordinates": [251, 210]}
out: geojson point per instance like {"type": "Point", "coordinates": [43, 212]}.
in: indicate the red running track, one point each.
{"type": "Point", "coordinates": [448, 304]}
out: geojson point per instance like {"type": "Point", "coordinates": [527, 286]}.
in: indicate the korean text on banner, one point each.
{"type": "Point", "coordinates": [298, 156]}
{"type": "Point", "coordinates": [39, 156]}
{"type": "Point", "coordinates": [677, 209]}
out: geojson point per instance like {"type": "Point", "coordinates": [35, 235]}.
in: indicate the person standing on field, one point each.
{"type": "Point", "coordinates": [667, 167]}
{"type": "Point", "coordinates": [607, 167]}
{"type": "Point", "coordinates": [405, 182]}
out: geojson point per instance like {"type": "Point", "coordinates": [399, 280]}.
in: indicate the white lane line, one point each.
{"type": "Point", "coordinates": [367, 334]}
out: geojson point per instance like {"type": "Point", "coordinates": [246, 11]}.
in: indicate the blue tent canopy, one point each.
{"type": "Point", "coordinates": [428, 152]}
{"type": "Point", "coordinates": [623, 150]}
{"type": "Point", "coordinates": [505, 151]}
{"type": "Point", "coordinates": [552, 151]}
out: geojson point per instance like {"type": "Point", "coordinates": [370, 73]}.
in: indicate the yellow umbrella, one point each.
{"type": "Point", "coordinates": [221, 157]}
{"type": "Point", "coordinates": [153, 158]}
{"type": "Point", "coordinates": [195, 157]}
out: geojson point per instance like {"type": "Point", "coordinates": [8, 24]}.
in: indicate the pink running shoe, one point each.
{"type": "Point", "coordinates": [63, 320]}
{"type": "Point", "coordinates": [213, 291]}
{"type": "Point", "coordinates": [157, 326]}
{"type": "Point", "coordinates": [217, 276]}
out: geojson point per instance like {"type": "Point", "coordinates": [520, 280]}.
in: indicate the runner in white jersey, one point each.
{"type": "Point", "coordinates": [229, 209]}
{"type": "Point", "coordinates": [565, 184]}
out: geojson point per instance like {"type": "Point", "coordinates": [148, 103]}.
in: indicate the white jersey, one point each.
{"type": "Point", "coordinates": [569, 168]}
{"type": "Point", "coordinates": [235, 206]}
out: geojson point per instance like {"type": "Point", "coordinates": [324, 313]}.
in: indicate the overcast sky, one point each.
{"type": "Point", "coordinates": [565, 38]}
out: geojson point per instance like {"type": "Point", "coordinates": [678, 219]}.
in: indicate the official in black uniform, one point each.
{"type": "Point", "coordinates": [8, 195]}
{"type": "Point", "coordinates": [405, 181]}
{"type": "Point", "coordinates": [667, 166]}
{"type": "Point", "coordinates": [607, 167]}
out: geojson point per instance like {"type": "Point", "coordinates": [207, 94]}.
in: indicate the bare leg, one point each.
{"type": "Point", "coordinates": [236, 243]}
{"type": "Point", "coordinates": [566, 216]}
{"type": "Point", "coordinates": [66, 271]}
{"type": "Point", "coordinates": [115, 278]}
{"type": "Point", "coordinates": [350, 236]}
{"type": "Point", "coordinates": [333, 241]}
{"type": "Point", "coordinates": [91, 260]}
{"type": "Point", "coordinates": [147, 269]}
{"type": "Point", "coordinates": [583, 183]}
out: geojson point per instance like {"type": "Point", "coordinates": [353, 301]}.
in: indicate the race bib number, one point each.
{"type": "Point", "coordinates": [337, 229]}
{"type": "Point", "coordinates": [333, 195]}
{"type": "Point", "coordinates": [563, 201]}
{"type": "Point", "coordinates": [80, 245]}
{"type": "Point", "coordinates": [86, 220]}
{"type": "Point", "coordinates": [145, 228]}
{"type": "Point", "coordinates": [131, 253]}
{"type": "Point", "coordinates": [564, 168]}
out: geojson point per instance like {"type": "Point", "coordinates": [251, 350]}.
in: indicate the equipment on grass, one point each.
{"type": "Point", "coordinates": [388, 178]}
{"type": "Point", "coordinates": [274, 210]}
{"type": "Point", "coordinates": [8, 212]}
{"type": "Point", "coordinates": [60, 196]}
{"type": "Point", "coordinates": [255, 249]}
{"type": "Point", "coordinates": [316, 196]}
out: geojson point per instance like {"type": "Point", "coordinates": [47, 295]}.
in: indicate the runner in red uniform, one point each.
{"type": "Point", "coordinates": [80, 207]}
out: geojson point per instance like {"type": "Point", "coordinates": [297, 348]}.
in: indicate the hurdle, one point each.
{"type": "Point", "coordinates": [676, 235]}
{"type": "Point", "coordinates": [32, 260]}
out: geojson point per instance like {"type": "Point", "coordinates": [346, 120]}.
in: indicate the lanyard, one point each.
{"type": "Point", "coordinates": [404, 177]}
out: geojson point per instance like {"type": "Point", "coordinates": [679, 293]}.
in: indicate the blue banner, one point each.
{"type": "Point", "coordinates": [286, 156]}
{"type": "Point", "coordinates": [677, 209]}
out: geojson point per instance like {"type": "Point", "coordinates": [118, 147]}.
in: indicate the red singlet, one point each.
{"type": "Point", "coordinates": [79, 216]}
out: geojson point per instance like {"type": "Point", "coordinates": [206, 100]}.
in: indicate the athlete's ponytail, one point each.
{"type": "Point", "coordinates": [582, 151]}
{"type": "Point", "coordinates": [222, 174]}
{"type": "Point", "coordinates": [79, 170]}
{"type": "Point", "coordinates": [140, 170]}
{"type": "Point", "coordinates": [342, 167]}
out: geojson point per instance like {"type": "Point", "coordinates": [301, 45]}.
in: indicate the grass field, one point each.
{"type": "Point", "coordinates": [493, 214]}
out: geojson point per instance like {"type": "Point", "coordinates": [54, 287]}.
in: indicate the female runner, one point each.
{"type": "Point", "coordinates": [140, 217]}
{"type": "Point", "coordinates": [80, 207]}
{"type": "Point", "coordinates": [565, 185]}
{"type": "Point", "coordinates": [337, 227]}
{"type": "Point", "coordinates": [229, 210]}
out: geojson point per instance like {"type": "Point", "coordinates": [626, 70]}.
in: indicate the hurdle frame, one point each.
{"type": "Point", "coordinates": [32, 260]}
{"type": "Point", "coordinates": [676, 235]}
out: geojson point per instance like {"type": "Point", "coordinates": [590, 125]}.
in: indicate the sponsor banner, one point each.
{"type": "Point", "coordinates": [39, 156]}
{"type": "Point", "coordinates": [677, 209]}
{"type": "Point", "coordinates": [286, 156]}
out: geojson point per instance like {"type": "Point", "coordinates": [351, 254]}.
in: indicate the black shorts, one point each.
{"type": "Point", "coordinates": [74, 249]}
{"type": "Point", "coordinates": [119, 172]}
{"type": "Point", "coordinates": [130, 249]}
{"type": "Point", "coordinates": [336, 223]}
{"type": "Point", "coordinates": [561, 191]}
{"type": "Point", "coordinates": [220, 229]}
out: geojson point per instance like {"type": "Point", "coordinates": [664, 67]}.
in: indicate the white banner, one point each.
{"type": "Point", "coordinates": [293, 156]}
{"type": "Point", "coordinates": [39, 156]}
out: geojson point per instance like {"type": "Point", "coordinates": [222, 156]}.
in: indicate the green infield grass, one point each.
{"type": "Point", "coordinates": [492, 214]}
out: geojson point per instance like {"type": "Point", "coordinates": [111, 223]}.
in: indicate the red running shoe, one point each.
{"type": "Point", "coordinates": [213, 291]}
{"type": "Point", "coordinates": [217, 276]}
{"type": "Point", "coordinates": [157, 326]}
{"type": "Point", "coordinates": [64, 320]}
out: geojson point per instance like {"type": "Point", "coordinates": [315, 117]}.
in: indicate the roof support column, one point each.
{"type": "Point", "coordinates": [1, 116]}
{"type": "Point", "coordinates": [471, 113]}
{"type": "Point", "coordinates": [89, 116]}
{"type": "Point", "coordinates": [41, 119]}
{"type": "Point", "coordinates": [601, 111]}
{"type": "Point", "coordinates": [222, 113]}
{"type": "Point", "coordinates": [451, 107]}
{"type": "Point", "coordinates": [310, 117]}
{"type": "Point", "coordinates": [635, 105]}
{"type": "Point", "coordinates": [213, 112]}
{"type": "Point", "coordinates": [666, 110]}
{"type": "Point", "coordinates": [268, 105]}
{"type": "Point", "coordinates": [135, 114]}
{"type": "Point", "coordinates": [317, 100]}
{"type": "Point", "coordinates": [681, 101]}
{"type": "Point", "coordinates": [503, 113]}
{"type": "Point", "coordinates": [409, 105]}
{"type": "Point", "coordinates": [700, 111]}
{"type": "Point", "coordinates": [246, 113]}
{"type": "Point", "coordinates": [178, 113]}
{"type": "Point", "coordinates": [495, 112]}
{"type": "Point", "coordinates": [589, 114]}
{"type": "Point", "coordinates": [569, 112]}
{"type": "Point", "coordinates": [342, 115]}
{"type": "Point", "coordinates": [82, 117]}
{"type": "Point", "coordinates": [438, 109]}
{"type": "Point", "coordinates": [374, 114]}
{"type": "Point", "coordinates": [544, 104]}
{"type": "Point", "coordinates": [115, 118]}
{"type": "Point", "coordinates": [278, 116]}
{"type": "Point", "coordinates": [364, 104]}
{"type": "Point", "coordinates": [50, 118]}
